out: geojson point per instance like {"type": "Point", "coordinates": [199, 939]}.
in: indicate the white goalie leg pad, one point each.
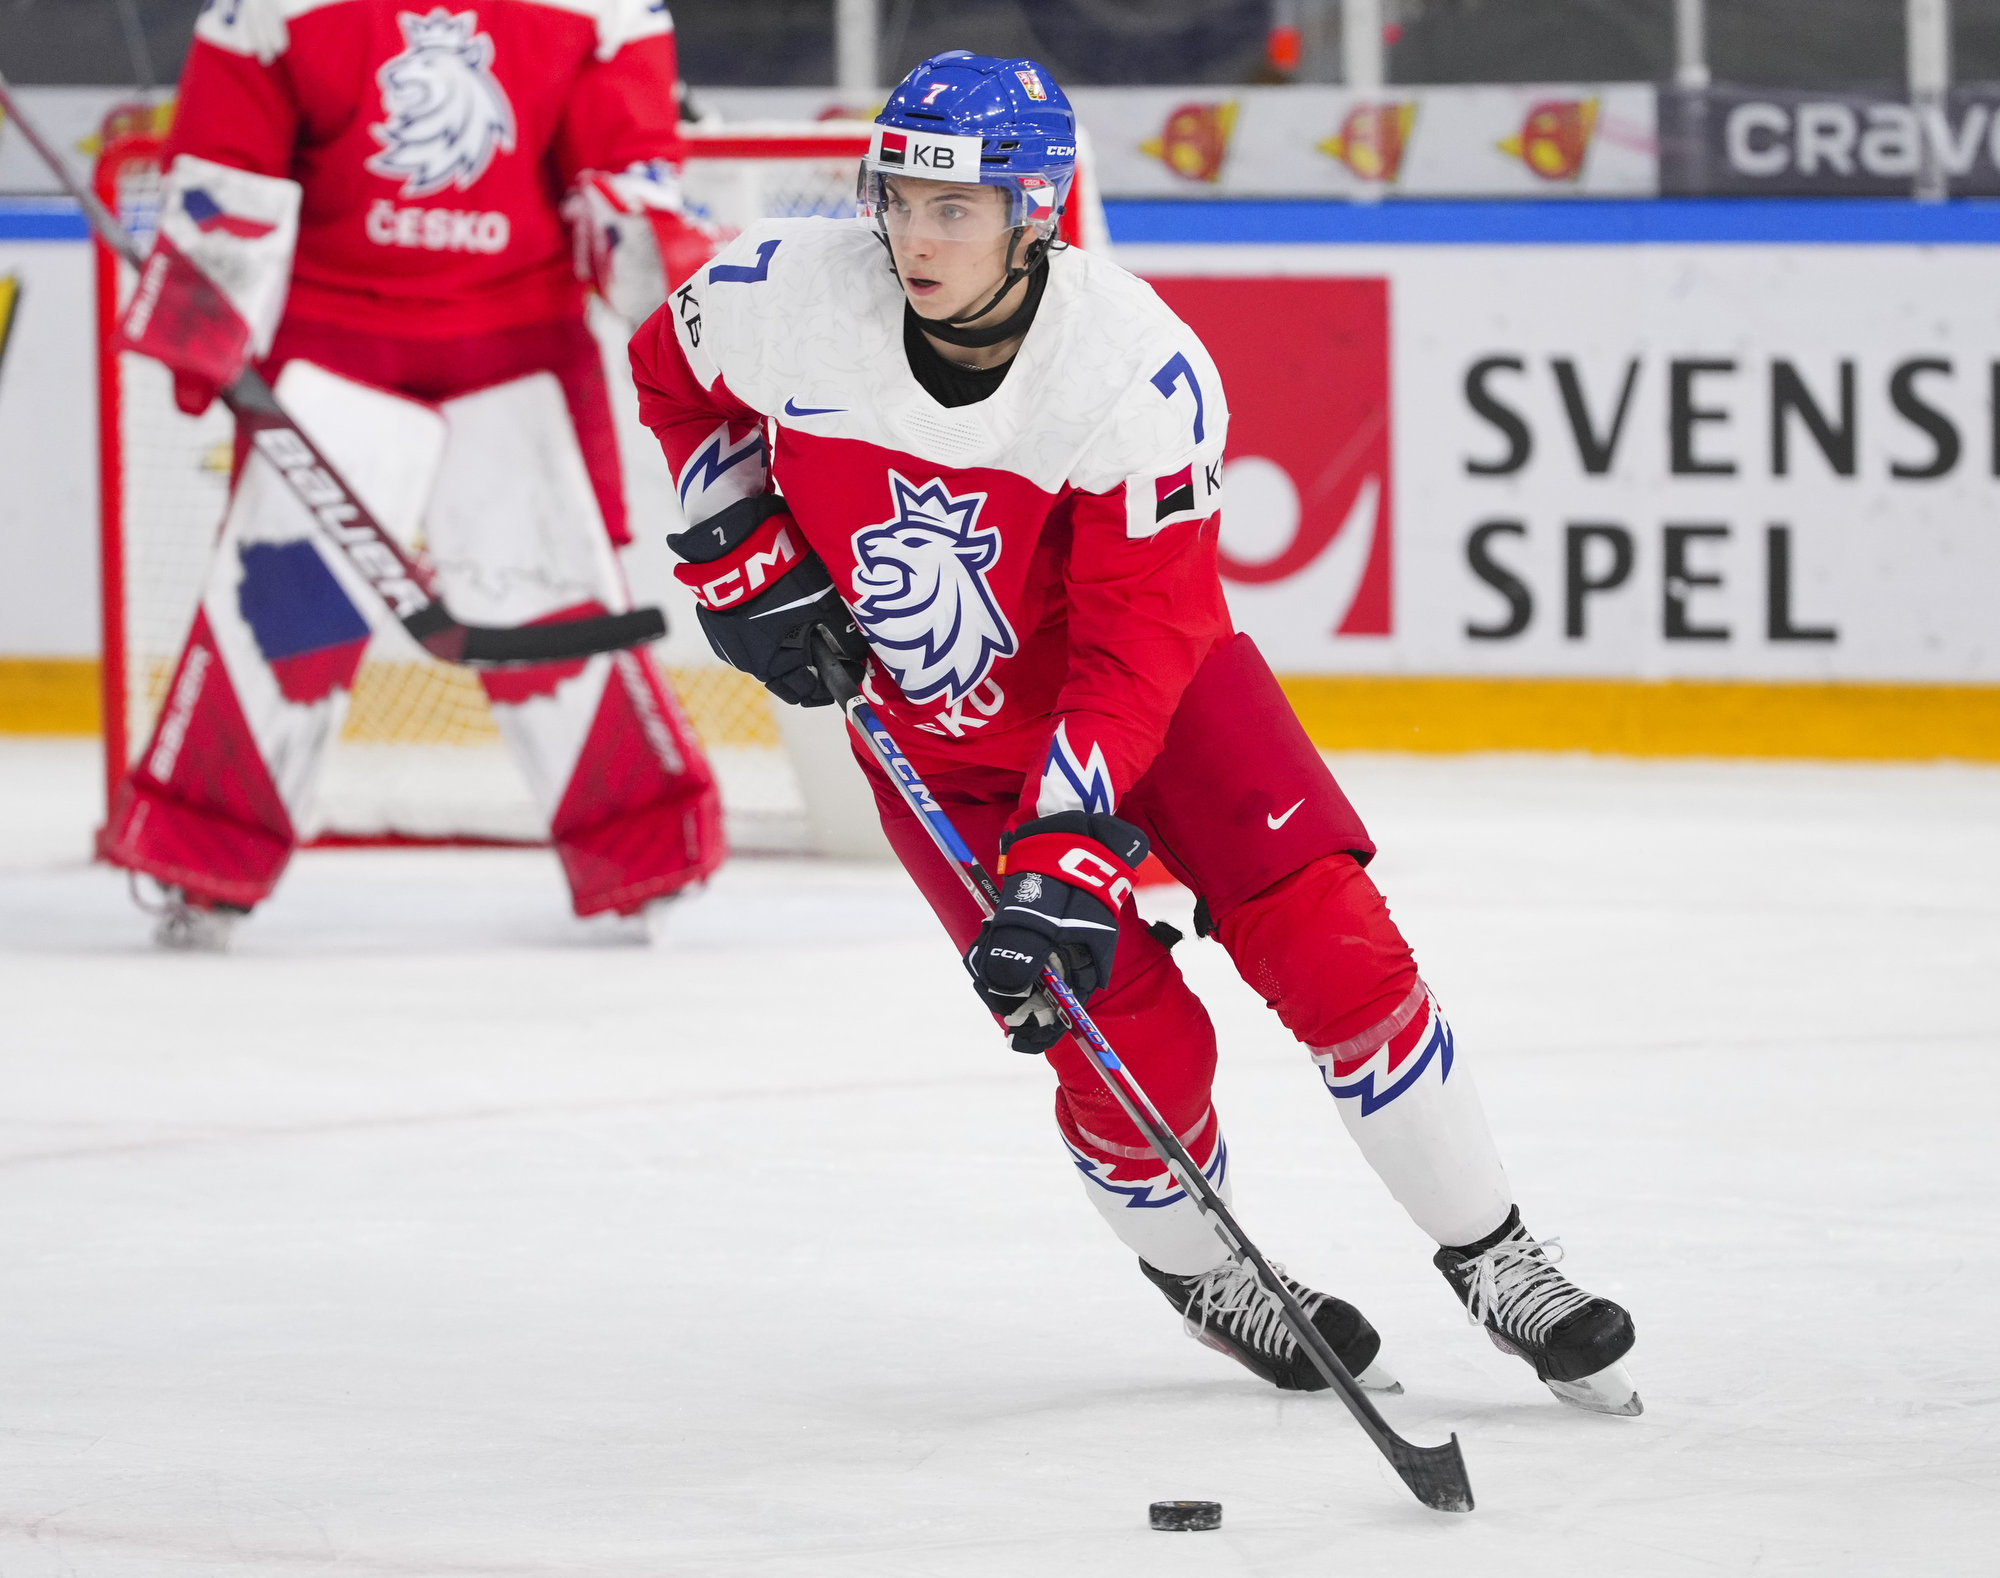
{"type": "Point", "coordinates": [1408, 1099]}
{"type": "Point", "coordinates": [1142, 1203]}
{"type": "Point", "coordinates": [626, 796]}
{"type": "Point", "coordinates": [515, 534]}
{"type": "Point", "coordinates": [290, 616]}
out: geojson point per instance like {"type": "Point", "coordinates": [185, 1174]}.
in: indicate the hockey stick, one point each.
{"type": "Point", "coordinates": [405, 587]}
{"type": "Point", "coordinates": [1436, 1475]}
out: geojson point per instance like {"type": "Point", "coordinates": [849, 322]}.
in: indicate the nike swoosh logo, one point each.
{"type": "Point", "coordinates": [793, 408]}
{"type": "Point", "coordinates": [1276, 822]}
{"type": "Point", "coordinates": [797, 602]}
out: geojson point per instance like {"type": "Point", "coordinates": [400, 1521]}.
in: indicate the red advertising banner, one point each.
{"type": "Point", "coordinates": [1305, 364]}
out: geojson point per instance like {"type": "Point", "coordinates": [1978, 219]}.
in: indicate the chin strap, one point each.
{"type": "Point", "coordinates": [1034, 262]}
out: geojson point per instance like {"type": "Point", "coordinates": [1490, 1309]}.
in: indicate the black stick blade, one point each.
{"type": "Point", "coordinates": [566, 639]}
{"type": "Point", "coordinates": [1436, 1475]}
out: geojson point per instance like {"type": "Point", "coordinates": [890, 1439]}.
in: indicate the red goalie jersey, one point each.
{"type": "Point", "coordinates": [432, 196]}
{"type": "Point", "coordinates": [1035, 573]}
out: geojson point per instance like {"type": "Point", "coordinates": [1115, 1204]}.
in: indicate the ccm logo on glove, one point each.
{"type": "Point", "coordinates": [1080, 862]}
{"type": "Point", "coordinates": [748, 568]}
{"type": "Point", "coordinates": [762, 591]}
{"type": "Point", "coordinates": [1063, 880]}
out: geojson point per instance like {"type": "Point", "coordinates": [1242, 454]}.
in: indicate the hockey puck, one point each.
{"type": "Point", "coordinates": [1179, 1515]}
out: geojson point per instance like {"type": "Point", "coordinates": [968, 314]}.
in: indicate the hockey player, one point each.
{"type": "Point", "coordinates": [1000, 462]}
{"type": "Point", "coordinates": [396, 205]}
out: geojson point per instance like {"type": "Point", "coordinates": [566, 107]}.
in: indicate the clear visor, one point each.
{"type": "Point", "coordinates": [910, 208]}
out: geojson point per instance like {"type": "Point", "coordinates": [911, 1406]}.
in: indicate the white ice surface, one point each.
{"type": "Point", "coordinates": [435, 1234]}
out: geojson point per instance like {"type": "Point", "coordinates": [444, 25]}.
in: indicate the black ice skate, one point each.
{"type": "Point", "coordinates": [1509, 1284]}
{"type": "Point", "coordinates": [1228, 1310]}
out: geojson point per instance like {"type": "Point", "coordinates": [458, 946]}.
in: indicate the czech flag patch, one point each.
{"type": "Point", "coordinates": [1040, 196]}
{"type": "Point", "coordinates": [210, 216]}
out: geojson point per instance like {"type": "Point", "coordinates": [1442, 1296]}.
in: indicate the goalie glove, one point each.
{"type": "Point", "coordinates": [1064, 879]}
{"type": "Point", "coordinates": [631, 240]}
{"type": "Point", "coordinates": [213, 288]}
{"type": "Point", "coordinates": [761, 591]}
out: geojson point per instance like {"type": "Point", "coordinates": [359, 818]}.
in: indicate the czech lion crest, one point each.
{"type": "Point", "coordinates": [445, 114]}
{"type": "Point", "coordinates": [920, 592]}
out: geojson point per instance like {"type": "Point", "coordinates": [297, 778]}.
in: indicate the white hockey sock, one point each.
{"type": "Point", "coordinates": [1151, 1214]}
{"type": "Point", "coordinates": [1410, 1103]}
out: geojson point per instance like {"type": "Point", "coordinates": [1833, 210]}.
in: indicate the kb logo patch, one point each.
{"type": "Point", "coordinates": [924, 153]}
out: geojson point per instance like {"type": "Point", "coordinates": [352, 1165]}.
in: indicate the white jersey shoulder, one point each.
{"type": "Point", "coordinates": [262, 28]}
{"type": "Point", "coordinates": [787, 300]}
{"type": "Point", "coordinates": [1140, 371]}
{"type": "Point", "coordinates": [803, 321]}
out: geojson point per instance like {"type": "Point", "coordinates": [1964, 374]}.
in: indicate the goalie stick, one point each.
{"type": "Point", "coordinates": [404, 585]}
{"type": "Point", "coordinates": [1435, 1475]}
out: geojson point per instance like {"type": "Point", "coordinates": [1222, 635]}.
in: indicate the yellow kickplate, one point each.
{"type": "Point", "coordinates": [1649, 717]}
{"type": "Point", "coordinates": [1406, 713]}
{"type": "Point", "coordinates": [49, 696]}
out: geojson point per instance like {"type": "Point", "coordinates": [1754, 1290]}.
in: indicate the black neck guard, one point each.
{"type": "Point", "coordinates": [953, 330]}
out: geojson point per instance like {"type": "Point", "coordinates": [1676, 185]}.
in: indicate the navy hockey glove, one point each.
{"type": "Point", "coordinates": [1063, 880]}
{"type": "Point", "coordinates": [761, 591]}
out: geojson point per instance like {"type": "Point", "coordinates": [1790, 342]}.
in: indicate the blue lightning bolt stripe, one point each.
{"type": "Point", "coordinates": [713, 460]}
{"type": "Point", "coordinates": [1439, 1046]}
{"type": "Point", "coordinates": [1140, 1196]}
{"type": "Point", "coordinates": [1092, 785]}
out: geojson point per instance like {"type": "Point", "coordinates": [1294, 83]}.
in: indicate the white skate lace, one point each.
{"type": "Point", "coordinates": [1232, 1295]}
{"type": "Point", "coordinates": [1516, 1283]}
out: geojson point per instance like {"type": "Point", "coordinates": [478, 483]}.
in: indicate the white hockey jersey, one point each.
{"type": "Point", "coordinates": [1036, 572]}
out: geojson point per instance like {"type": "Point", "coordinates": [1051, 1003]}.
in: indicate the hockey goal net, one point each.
{"type": "Point", "coordinates": [419, 757]}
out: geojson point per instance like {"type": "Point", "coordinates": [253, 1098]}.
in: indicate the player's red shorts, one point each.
{"type": "Point", "coordinates": [1244, 811]}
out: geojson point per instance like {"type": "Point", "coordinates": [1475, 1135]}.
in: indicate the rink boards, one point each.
{"type": "Point", "coordinates": [48, 469]}
{"type": "Point", "coordinates": [1666, 477]}
{"type": "Point", "coordinates": [1642, 477]}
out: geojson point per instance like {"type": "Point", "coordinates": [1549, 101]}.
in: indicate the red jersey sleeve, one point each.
{"type": "Point", "coordinates": [235, 110]}
{"type": "Point", "coordinates": [1144, 613]}
{"type": "Point", "coordinates": [623, 110]}
{"type": "Point", "coordinates": [714, 443]}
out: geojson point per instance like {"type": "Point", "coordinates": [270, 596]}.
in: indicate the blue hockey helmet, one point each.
{"type": "Point", "coordinates": [976, 118]}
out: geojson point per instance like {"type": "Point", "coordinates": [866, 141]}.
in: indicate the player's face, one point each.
{"type": "Point", "coordinates": [949, 242]}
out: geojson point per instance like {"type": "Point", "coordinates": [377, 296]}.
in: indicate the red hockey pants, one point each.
{"type": "Point", "coordinates": [1291, 903]}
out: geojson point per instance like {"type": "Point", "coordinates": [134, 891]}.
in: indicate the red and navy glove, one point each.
{"type": "Point", "coordinates": [762, 591]}
{"type": "Point", "coordinates": [1063, 879]}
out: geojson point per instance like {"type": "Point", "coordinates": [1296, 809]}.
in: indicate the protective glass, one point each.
{"type": "Point", "coordinates": [907, 207]}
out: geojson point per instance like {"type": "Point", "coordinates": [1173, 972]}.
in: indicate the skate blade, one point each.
{"type": "Point", "coordinates": [607, 929]}
{"type": "Point", "coordinates": [197, 931]}
{"type": "Point", "coordinates": [1609, 1391]}
{"type": "Point", "coordinates": [1376, 1378]}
